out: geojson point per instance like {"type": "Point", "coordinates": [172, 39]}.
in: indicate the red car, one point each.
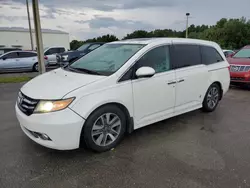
{"type": "Point", "coordinates": [240, 67]}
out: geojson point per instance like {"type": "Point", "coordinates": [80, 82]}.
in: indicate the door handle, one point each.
{"type": "Point", "coordinates": [181, 80]}
{"type": "Point", "coordinates": [172, 82]}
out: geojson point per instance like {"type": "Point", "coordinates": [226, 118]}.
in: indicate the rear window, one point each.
{"type": "Point", "coordinates": [210, 55]}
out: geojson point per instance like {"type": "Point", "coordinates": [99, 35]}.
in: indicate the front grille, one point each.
{"type": "Point", "coordinates": [239, 68]}
{"type": "Point", "coordinates": [237, 78]}
{"type": "Point", "coordinates": [26, 104]}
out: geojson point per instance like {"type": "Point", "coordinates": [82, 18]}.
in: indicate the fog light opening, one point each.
{"type": "Point", "coordinates": [44, 136]}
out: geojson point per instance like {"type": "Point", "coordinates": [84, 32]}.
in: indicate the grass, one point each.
{"type": "Point", "coordinates": [14, 79]}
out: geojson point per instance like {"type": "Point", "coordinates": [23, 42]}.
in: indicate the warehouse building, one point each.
{"type": "Point", "coordinates": [16, 37]}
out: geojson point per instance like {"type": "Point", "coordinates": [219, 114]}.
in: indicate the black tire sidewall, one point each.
{"type": "Point", "coordinates": [34, 67]}
{"type": "Point", "coordinates": [90, 122]}
{"type": "Point", "coordinates": [205, 106]}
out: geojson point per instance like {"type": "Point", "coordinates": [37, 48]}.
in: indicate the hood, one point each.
{"type": "Point", "coordinates": [56, 84]}
{"type": "Point", "coordinates": [239, 61]}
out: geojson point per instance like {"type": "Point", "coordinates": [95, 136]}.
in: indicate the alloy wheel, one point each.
{"type": "Point", "coordinates": [213, 97]}
{"type": "Point", "coordinates": [106, 129]}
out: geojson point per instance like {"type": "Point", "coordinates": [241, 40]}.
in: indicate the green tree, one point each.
{"type": "Point", "coordinates": [74, 44]}
{"type": "Point", "coordinates": [138, 34]}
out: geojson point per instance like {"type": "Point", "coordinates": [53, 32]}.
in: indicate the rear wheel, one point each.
{"type": "Point", "coordinates": [104, 128]}
{"type": "Point", "coordinates": [35, 67]}
{"type": "Point", "coordinates": [212, 98]}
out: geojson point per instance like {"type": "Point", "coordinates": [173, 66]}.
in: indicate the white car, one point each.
{"type": "Point", "coordinates": [51, 52]}
{"type": "Point", "coordinates": [120, 87]}
{"type": "Point", "coordinates": [228, 53]}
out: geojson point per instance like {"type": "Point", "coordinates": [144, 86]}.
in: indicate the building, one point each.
{"type": "Point", "coordinates": [16, 37]}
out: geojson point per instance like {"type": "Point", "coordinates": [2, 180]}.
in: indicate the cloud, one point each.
{"type": "Point", "coordinates": [12, 18]}
{"type": "Point", "coordinates": [106, 22]}
{"type": "Point", "coordinates": [60, 27]}
{"type": "Point", "coordinates": [108, 5]}
{"type": "Point", "coordinates": [15, 8]}
{"type": "Point", "coordinates": [90, 18]}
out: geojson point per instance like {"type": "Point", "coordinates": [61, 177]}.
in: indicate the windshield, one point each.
{"type": "Point", "coordinates": [108, 58]}
{"type": "Point", "coordinates": [243, 53]}
{"type": "Point", "coordinates": [83, 47]}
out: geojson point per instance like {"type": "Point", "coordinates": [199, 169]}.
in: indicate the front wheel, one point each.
{"type": "Point", "coordinates": [212, 98]}
{"type": "Point", "coordinates": [104, 128]}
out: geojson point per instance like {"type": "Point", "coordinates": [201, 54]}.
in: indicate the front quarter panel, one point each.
{"type": "Point", "coordinates": [116, 93]}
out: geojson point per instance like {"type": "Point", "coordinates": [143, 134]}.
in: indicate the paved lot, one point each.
{"type": "Point", "coordinates": [195, 150]}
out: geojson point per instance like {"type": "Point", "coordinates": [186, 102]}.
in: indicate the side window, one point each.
{"type": "Point", "coordinates": [26, 54]}
{"type": "Point", "coordinates": [11, 55]}
{"type": "Point", "coordinates": [210, 55]}
{"type": "Point", "coordinates": [61, 50]}
{"type": "Point", "coordinates": [158, 59]}
{"type": "Point", "coordinates": [52, 51]}
{"type": "Point", "coordinates": [94, 46]}
{"type": "Point", "coordinates": [127, 76]}
{"type": "Point", "coordinates": [185, 55]}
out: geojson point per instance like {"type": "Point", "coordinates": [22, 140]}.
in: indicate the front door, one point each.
{"type": "Point", "coordinates": [8, 61]}
{"type": "Point", "coordinates": [154, 98]}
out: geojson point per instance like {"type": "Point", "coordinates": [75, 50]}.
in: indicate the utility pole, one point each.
{"type": "Point", "coordinates": [39, 40]}
{"type": "Point", "coordinates": [31, 38]}
{"type": "Point", "coordinates": [187, 14]}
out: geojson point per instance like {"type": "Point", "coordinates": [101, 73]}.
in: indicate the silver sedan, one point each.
{"type": "Point", "coordinates": [19, 61]}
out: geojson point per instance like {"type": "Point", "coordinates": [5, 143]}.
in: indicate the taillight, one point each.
{"type": "Point", "coordinates": [45, 57]}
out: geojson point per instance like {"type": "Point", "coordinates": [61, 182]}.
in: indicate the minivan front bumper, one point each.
{"type": "Point", "coordinates": [63, 128]}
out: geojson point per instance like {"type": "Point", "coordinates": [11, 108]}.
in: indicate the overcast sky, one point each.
{"type": "Point", "coordinates": [85, 19]}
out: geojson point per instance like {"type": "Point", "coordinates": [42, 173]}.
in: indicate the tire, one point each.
{"type": "Point", "coordinates": [212, 98]}
{"type": "Point", "coordinates": [35, 67]}
{"type": "Point", "coordinates": [97, 132]}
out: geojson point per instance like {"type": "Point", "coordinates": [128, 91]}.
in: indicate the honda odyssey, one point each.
{"type": "Point", "coordinates": [120, 87]}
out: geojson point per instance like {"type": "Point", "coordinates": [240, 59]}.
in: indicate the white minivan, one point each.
{"type": "Point", "coordinates": [120, 87]}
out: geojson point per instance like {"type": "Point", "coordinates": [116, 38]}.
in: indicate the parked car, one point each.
{"type": "Point", "coordinates": [19, 61]}
{"type": "Point", "coordinates": [70, 56]}
{"type": "Point", "coordinates": [51, 52]}
{"type": "Point", "coordinates": [120, 87]}
{"type": "Point", "coordinates": [240, 67]}
{"type": "Point", "coordinates": [228, 53]}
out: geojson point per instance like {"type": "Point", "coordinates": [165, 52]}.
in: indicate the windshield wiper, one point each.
{"type": "Point", "coordinates": [84, 70]}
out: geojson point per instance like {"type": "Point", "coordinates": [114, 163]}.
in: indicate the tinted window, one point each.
{"type": "Point", "coordinates": [157, 58]}
{"type": "Point", "coordinates": [94, 46]}
{"type": "Point", "coordinates": [127, 76]}
{"type": "Point", "coordinates": [61, 50]}
{"type": "Point", "coordinates": [11, 55]}
{"type": "Point", "coordinates": [26, 54]}
{"type": "Point", "coordinates": [185, 55]}
{"type": "Point", "coordinates": [210, 55]}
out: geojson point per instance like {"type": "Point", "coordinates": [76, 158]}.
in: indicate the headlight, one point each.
{"type": "Point", "coordinates": [51, 106]}
{"type": "Point", "coordinates": [65, 57]}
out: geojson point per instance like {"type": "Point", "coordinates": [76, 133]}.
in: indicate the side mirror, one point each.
{"type": "Point", "coordinates": [4, 58]}
{"type": "Point", "coordinates": [231, 55]}
{"type": "Point", "coordinates": [145, 72]}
